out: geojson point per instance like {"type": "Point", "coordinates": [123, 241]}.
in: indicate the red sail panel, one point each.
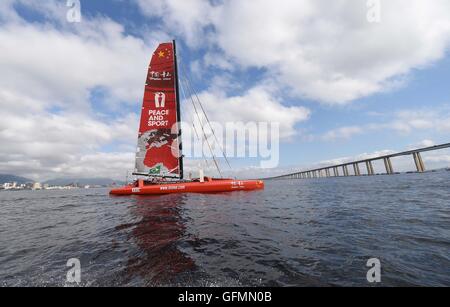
{"type": "Point", "coordinates": [158, 147]}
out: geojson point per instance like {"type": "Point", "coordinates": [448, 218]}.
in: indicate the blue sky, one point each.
{"type": "Point", "coordinates": [340, 86]}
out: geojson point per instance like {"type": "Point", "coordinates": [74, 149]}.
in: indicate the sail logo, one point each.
{"type": "Point", "coordinates": [158, 76]}
{"type": "Point", "coordinates": [160, 99]}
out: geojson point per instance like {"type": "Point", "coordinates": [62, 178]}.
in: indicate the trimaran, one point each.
{"type": "Point", "coordinates": [159, 158]}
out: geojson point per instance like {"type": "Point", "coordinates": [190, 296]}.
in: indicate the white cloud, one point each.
{"type": "Point", "coordinates": [342, 133]}
{"type": "Point", "coordinates": [258, 104]}
{"type": "Point", "coordinates": [62, 68]}
{"type": "Point", "coordinates": [98, 164]}
{"type": "Point", "coordinates": [422, 119]}
{"type": "Point", "coordinates": [442, 160]}
{"type": "Point", "coordinates": [217, 60]}
{"type": "Point", "coordinates": [189, 18]}
{"type": "Point", "coordinates": [322, 50]}
{"type": "Point", "coordinates": [109, 165]}
{"type": "Point", "coordinates": [58, 144]}
{"type": "Point", "coordinates": [328, 51]}
{"type": "Point", "coordinates": [404, 122]}
{"type": "Point", "coordinates": [49, 128]}
{"type": "Point", "coordinates": [362, 156]}
{"type": "Point", "coordinates": [421, 144]}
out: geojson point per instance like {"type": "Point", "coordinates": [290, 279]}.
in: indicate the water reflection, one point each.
{"type": "Point", "coordinates": [157, 234]}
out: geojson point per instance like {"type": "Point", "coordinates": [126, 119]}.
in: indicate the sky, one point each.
{"type": "Point", "coordinates": [340, 84]}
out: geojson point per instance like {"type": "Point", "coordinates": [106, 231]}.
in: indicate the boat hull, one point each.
{"type": "Point", "coordinates": [213, 186]}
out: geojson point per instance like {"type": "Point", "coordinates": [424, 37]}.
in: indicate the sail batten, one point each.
{"type": "Point", "coordinates": [159, 151]}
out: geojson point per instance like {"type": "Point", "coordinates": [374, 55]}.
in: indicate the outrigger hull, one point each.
{"type": "Point", "coordinates": [209, 186]}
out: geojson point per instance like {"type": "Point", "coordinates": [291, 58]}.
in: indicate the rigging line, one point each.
{"type": "Point", "coordinates": [189, 82]}
{"type": "Point", "coordinates": [189, 91]}
{"type": "Point", "coordinates": [195, 129]}
{"type": "Point", "coordinates": [193, 125]}
{"type": "Point", "coordinates": [206, 115]}
{"type": "Point", "coordinates": [185, 111]}
{"type": "Point", "coordinates": [204, 134]}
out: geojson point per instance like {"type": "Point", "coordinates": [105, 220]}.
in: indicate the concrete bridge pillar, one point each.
{"type": "Point", "coordinates": [356, 169]}
{"type": "Point", "coordinates": [369, 166]}
{"type": "Point", "coordinates": [419, 156]}
{"type": "Point", "coordinates": [327, 172]}
{"type": "Point", "coordinates": [419, 162]}
{"type": "Point", "coordinates": [388, 166]}
{"type": "Point", "coordinates": [345, 170]}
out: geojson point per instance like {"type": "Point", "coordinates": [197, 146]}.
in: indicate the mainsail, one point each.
{"type": "Point", "coordinates": [159, 141]}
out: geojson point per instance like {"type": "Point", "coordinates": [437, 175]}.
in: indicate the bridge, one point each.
{"type": "Point", "coordinates": [333, 170]}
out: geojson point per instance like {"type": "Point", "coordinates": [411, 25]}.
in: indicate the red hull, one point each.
{"type": "Point", "coordinates": [209, 186]}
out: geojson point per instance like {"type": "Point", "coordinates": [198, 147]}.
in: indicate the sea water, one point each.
{"type": "Point", "coordinates": [316, 232]}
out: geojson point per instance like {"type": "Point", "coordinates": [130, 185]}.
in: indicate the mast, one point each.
{"type": "Point", "coordinates": [177, 98]}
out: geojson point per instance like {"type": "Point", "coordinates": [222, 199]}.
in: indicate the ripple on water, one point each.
{"type": "Point", "coordinates": [294, 233]}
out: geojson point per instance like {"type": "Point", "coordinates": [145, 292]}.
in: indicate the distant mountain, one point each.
{"type": "Point", "coordinates": [12, 178]}
{"type": "Point", "coordinates": [82, 181]}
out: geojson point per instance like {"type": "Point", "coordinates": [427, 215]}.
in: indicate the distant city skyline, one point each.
{"type": "Point", "coordinates": [340, 84]}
